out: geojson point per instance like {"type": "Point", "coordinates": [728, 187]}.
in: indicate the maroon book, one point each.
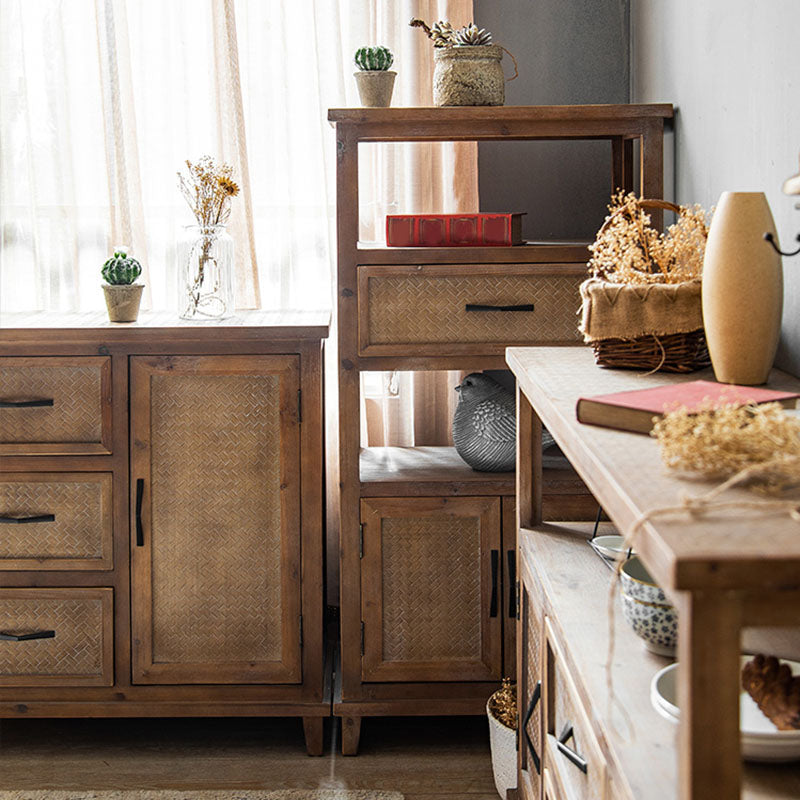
{"type": "Point", "coordinates": [454, 230]}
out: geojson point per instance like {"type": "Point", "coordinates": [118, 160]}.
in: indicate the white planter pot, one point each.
{"type": "Point", "coordinates": [503, 743]}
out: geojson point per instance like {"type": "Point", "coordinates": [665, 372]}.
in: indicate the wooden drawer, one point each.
{"type": "Point", "coordinates": [77, 646]}
{"type": "Point", "coordinates": [56, 521]}
{"type": "Point", "coordinates": [55, 406]}
{"type": "Point", "coordinates": [572, 751]}
{"type": "Point", "coordinates": [435, 310]}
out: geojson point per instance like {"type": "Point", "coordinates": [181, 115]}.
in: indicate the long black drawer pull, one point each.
{"type": "Point", "coordinates": [567, 752]}
{"type": "Point", "coordinates": [26, 403]}
{"type": "Point", "coordinates": [24, 520]}
{"type": "Point", "coordinates": [483, 307]}
{"type": "Point", "coordinates": [495, 570]}
{"type": "Point", "coordinates": [512, 584]}
{"type": "Point", "coordinates": [26, 637]}
{"type": "Point", "coordinates": [537, 693]}
{"type": "Point", "coordinates": [139, 498]}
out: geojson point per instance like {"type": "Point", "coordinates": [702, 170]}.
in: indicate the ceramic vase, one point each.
{"type": "Point", "coordinates": [742, 289]}
{"type": "Point", "coordinates": [375, 87]}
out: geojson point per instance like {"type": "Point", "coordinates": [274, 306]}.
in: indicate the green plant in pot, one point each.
{"type": "Point", "coordinates": [122, 294]}
{"type": "Point", "coordinates": [374, 79]}
{"type": "Point", "coordinates": [467, 69]}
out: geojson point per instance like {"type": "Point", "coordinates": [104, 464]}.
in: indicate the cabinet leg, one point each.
{"type": "Point", "coordinates": [351, 734]}
{"type": "Point", "coordinates": [312, 728]}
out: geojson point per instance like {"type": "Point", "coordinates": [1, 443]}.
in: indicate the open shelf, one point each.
{"type": "Point", "coordinates": [576, 584]}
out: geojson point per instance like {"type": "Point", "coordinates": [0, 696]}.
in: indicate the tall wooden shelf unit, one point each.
{"type": "Point", "coordinates": [427, 569]}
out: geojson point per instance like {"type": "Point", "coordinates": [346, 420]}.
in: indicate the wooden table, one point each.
{"type": "Point", "coordinates": [725, 571]}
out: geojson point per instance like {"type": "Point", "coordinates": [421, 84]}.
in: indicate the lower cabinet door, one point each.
{"type": "Point", "coordinates": [215, 519]}
{"type": "Point", "coordinates": [431, 593]}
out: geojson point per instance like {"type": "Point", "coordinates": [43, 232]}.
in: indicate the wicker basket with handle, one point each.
{"type": "Point", "coordinates": [654, 326]}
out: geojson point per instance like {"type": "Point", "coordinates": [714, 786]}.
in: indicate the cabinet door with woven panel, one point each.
{"type": "Point", "coordinates": [431, 589]}
{"type": "Point", "coordinates": [215, 528]}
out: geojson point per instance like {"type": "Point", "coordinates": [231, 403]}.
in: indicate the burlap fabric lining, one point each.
{"type": "Point", "coordinates": [622, 311]}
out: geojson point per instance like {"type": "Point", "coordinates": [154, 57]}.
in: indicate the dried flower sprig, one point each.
{"type": "Point", "coordinates": [628, 250]}
{"type": "Point", "coordinates": [208, 188]}
{"type": "Point", "coordinates": [725, 441]}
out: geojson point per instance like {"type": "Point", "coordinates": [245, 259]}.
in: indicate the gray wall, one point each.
{"type": "Point", "coordinates": [569, 51]}
{"type": "Point", "coordinates": [732, 69]}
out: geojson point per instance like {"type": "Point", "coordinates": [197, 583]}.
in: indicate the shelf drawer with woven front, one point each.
{"type": "Point", "coordinates": [430, 589]}
{"type": "Point", "coordinates": [572, 751]}
{"type": "Point", "coordinates": [56, 637]}
{"type": "Point", "coordinates": [466, 309]}
{"type": "Point", "coordinates": [56, 521]}
{"type": "Point", "coordinates": [55, 405]}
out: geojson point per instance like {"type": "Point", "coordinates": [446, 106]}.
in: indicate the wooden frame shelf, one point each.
{"type": "Point", "coordinates": [380, 295]}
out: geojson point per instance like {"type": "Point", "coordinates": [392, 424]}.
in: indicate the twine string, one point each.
{"type": "Point", "coordinates": [514, 60]}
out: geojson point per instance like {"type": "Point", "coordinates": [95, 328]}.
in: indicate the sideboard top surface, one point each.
{"type": "Point", "coordinates": [88, 326]}
{"type": "Point", "coordinates": [735, 548]}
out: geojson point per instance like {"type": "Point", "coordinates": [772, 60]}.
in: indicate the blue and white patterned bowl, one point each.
{"type": "Point", "coordinates": [636, 582]}
{"type": "Point", "coordinates": [655, 623]}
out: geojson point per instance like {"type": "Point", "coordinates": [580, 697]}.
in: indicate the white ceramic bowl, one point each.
{"type": "Point", "coordinates": [761, 740]}
{"type": "Point", "coordinates": [656, 624]}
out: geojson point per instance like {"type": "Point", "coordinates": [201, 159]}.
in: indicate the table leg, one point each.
{"type": "Point", "coordinates": [529, 464]}
{"type": "Point", "coordinates": [708, 695]}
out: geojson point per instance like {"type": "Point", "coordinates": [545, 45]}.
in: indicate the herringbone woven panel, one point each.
{"type": "Point", "coordinates": [76, 531]}
{"type": "Point", "coordinates": [75, 415]}
{"type": "Point", "coordinates": [216, 517]}
{"type": "Point", "coordinates": [431, 588]}
{"type": "Point", "coordinates": [416, 309]}
{"type": "Point", "coordinates": [77, 648]}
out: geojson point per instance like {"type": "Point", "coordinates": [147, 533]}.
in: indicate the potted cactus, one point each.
{"type": "Point", "coordinates": [467, 69]}
{"type": "Point", "coordinates": [122, 294]}
{"type": "Point", "coordinates": [374, 79]}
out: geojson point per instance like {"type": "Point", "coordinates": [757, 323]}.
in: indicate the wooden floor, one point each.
{"type": "Point", "coordinates": [424, 758]}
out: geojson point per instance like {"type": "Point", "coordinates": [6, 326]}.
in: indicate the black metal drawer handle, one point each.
{"type": "Point", "coordinates": [569, 753]}
{"type": "Point", "coordinates": [139, 526]}
{"type": "Point", "coordinates": [483, 307]}
{"type": "Point", "coordinates": [25, 520]}
{"type": "Point", "coordinates": [26, 637]}
{"type": "Point", "coordinates": [495, 568]}
{"type": "Point", "coordinates": [537, 693]}
{"type": "Point", "coordinates": [512, 584]}
{"type": "Point", "coordinates": [26, 403]}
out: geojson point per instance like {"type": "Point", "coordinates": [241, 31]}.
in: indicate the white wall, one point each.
{"type": "Point", "coordinates": [732, 69]}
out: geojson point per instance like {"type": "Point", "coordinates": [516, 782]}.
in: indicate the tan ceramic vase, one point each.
{"type": "Point", "coordinates": [375, 87]}
{"type": "Point", "coordinates": [742, 289]}
{"type": "Point", "coordinates": [122, 301]}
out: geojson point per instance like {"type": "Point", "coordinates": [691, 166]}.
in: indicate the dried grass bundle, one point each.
{"type": "Point", "coordinates": [208, 188]}
{"type": "Point", "coordinates": [503, 704]}
{"type": "Point", "coordinates": [628, 250]}
{"type": "Point", "coordinates": [760, 443]}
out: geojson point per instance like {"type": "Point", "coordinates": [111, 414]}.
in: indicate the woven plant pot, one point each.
{"type": "Point", "coordinates": [468, 76]}
{"type": "Point", "coordinates": [503, 744]}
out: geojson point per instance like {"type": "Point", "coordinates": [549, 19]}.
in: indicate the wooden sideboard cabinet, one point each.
{"type": "Point", "coordinates": [426, 549]}
{"type": "Point", "coordinates": [734, 577]}
{"type": "Point", "coordinates": [155, 556]}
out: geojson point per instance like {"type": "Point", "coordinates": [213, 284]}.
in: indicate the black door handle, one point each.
{"type": "Point", "coordinates": [484, 307]}
{"type": "Point", "coordinates": [24, 520]}
{"type": "Point", "coordinates": [495, 568]}
{"type": "Point", "coordinates": [568, 752]}
{"type": "Point", "coordinates": [139, 498]}
{"type": "Point", "coordinates": [26, 403]}
{"type": "Point", "coordinates": [512, 584]}
{"type": "Point", "coordinates": [26, 637]}
{"type": "Point", "coordinates": [537, 693]}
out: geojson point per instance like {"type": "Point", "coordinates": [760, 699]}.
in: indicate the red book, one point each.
{"type": "Point", "coordinates": [454, 230]}
{"type": "Point", "coordinates": [640, 409]}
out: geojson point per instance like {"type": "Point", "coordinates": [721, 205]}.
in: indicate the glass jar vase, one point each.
{"type": "Point", "coordinates": [205, 273]}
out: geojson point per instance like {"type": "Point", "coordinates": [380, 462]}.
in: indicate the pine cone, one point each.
{"type": "Point", "coordinates": [470, 36]}
{"type": "Point", "coordinates": [775, 690]}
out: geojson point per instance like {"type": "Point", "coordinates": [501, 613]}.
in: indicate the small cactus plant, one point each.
{"type": "Point", "coordinates": [120, 269]}
{"type": "Point", "coordinates": [374, 59]}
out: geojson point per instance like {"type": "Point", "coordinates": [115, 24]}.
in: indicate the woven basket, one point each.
{"type": "Point", "coordinates": [655, 327]}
